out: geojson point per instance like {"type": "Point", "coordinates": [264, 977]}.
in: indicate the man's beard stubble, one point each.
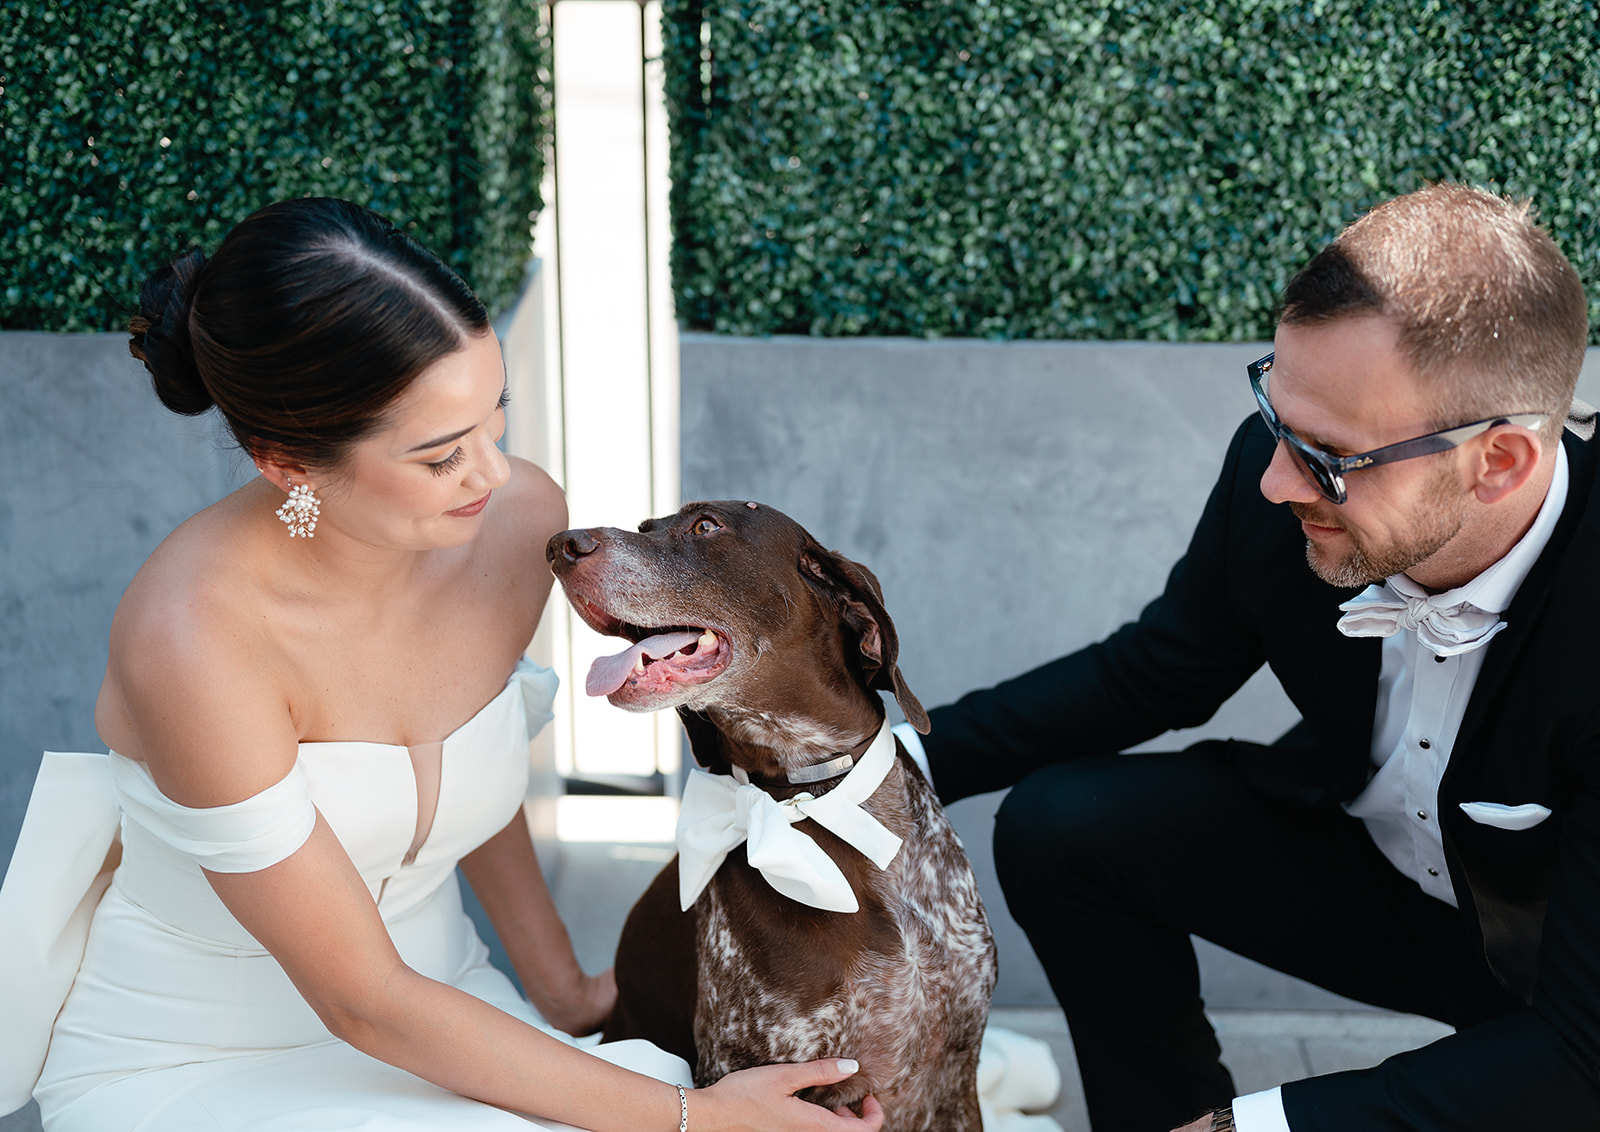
{"type": "Point", "coordinates": [1440, 513]}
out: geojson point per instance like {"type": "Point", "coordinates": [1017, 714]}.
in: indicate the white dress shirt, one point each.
{"type": "Point", "coordinates": [1421, 700]}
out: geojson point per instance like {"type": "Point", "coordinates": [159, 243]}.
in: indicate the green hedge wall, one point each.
{"type": "Point", "coordinates": [1142, 169]}
{"type": "Point", "coordinates": [134, 130]}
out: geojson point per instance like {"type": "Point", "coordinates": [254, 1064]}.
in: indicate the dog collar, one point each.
{"type": "Point", "coordinates": [840, 763]}
{"type": "Point", "coordinates": [821, 772]}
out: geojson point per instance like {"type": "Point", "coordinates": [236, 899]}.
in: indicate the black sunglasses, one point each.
{"type": "Point", "coordinates": [1326, 472]}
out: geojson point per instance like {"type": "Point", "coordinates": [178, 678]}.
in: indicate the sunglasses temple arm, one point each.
{"type": "Point", "coordinates": [1427, 445]}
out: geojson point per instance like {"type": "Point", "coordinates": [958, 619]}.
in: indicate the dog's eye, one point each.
{"type": "Point", "coordinates": [706, 526]}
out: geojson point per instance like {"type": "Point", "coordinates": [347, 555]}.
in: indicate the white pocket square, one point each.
{"type": "Point", "coordinates": [1502, 816]}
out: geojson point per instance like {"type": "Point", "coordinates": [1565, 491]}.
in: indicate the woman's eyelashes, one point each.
{"type": "Point", "coordinates": [448, 464]}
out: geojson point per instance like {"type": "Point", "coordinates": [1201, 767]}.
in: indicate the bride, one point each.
{"type": "Point", "coordinates": [317, 707]}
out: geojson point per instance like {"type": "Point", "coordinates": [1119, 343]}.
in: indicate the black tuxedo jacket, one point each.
{"type": "Point", "coordinates": [1243, 595]}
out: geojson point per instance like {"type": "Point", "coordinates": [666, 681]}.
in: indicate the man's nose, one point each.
{"type": "Point", "coordinates": [1284, 482]}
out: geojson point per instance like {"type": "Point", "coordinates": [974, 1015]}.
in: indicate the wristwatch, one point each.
{"type": "Point", "coordinates": [1222, 1119]}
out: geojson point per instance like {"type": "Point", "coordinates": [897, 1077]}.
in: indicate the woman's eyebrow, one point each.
{"type": "Point", "coordinates": [441, 440]}
{"type": "Point", "coordinates": [454, 435]}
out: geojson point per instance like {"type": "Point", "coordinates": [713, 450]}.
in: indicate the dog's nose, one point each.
{"type": "Point", "coordinates": [569, 546]}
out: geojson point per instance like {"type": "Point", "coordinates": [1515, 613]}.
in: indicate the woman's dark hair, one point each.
{"type": "Point", "coordinates": [309, 321]}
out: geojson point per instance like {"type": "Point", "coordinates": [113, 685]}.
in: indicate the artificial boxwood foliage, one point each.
{"type": "Point", "coordinates": [134, 130]}
{"type": "Point", "coordinates": [1142, 169]}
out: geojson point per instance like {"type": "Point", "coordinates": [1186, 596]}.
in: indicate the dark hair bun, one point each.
{"type": "Point", "coordinates": [159, 334]}
{"type": "Point", "coordinates": [303, 327]}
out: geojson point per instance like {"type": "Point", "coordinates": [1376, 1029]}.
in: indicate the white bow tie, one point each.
{"type": "Point", "coordinates": [1383, 609]}
{"type": "Point", "coordinates": [719, 812]}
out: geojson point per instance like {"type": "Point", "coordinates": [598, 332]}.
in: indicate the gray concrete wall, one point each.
{"type": "Point", "coordinates": [93, 474]}
{"type": "Point", "coordinates": [1017, 500]}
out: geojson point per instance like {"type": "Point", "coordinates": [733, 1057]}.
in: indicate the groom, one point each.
{"type": "Point", "coordinates": [1427, 837]}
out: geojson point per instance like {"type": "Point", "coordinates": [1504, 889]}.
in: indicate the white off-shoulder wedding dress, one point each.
{"type": "Point", "coordinates": [150, 1006]}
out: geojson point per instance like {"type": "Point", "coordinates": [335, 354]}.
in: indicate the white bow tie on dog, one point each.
{"type": "Point", "coordinates": [1382, 610]}
{"type": "Point", "coordinates": [719, 812]}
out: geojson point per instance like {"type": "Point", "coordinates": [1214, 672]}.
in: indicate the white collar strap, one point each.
{"type": "Point", "coordinates": [719, 813]}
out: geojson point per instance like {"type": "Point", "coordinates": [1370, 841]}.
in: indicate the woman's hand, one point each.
{"type": "Point", "coordinates": [763, 1098]}
{"type": "Point", "coordinates": [583, 1006]}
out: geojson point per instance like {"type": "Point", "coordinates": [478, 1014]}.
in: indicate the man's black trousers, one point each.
{"type": "Point", "coordinates": [1110, 862]}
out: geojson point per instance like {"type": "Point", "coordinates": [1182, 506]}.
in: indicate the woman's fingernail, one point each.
{"type": "Point", "coordinates": [848, 1065]}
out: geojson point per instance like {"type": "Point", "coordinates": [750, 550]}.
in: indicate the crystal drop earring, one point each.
{"type": "Point", "coordinates": [300, 511]}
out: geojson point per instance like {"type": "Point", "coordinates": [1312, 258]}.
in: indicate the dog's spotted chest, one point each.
{"type": "Point", "coordinates": [911, 1002]}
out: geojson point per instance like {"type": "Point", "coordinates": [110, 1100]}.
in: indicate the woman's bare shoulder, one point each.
{"type": "Point", "coordinates": [191, 675]}
{"type": "Point", "coordinates": [535, 497]}
{"type": "Point", "coordinates": [200, 576]}
{"type": "Point", "coordinates": [531, 507]}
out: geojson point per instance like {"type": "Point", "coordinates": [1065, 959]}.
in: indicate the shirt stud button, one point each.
{"type": "Point", "coordinates": [1439, 659]}
{"type": "Point", "coordinates": [1424, 744]}
{"type": "Point", "coordinates": [1433, 872]}
{"type": "Point", "coordinates": [1422, 815]}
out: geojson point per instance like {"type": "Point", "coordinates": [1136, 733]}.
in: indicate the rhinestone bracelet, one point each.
{"type": "Point", "coordinates": [683, 1109]}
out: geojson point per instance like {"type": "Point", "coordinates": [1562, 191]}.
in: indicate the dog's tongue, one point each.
{"type": "Point", "coordinates": [608, 673]}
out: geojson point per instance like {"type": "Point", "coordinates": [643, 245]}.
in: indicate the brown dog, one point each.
{"type": "Point", "coordinates": [771, 648]}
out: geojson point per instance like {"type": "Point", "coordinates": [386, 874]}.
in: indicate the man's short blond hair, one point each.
{"type": "Point", "coordinates": [1490, 314]}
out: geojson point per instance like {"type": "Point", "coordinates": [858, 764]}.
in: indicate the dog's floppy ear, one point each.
{"type": "Point", "coordinates": [860, 601]}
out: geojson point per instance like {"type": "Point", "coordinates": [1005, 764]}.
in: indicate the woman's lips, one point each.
{"type": "Point", "coordinates": [471, 509]}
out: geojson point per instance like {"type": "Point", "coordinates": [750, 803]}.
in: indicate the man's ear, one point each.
{"type": "Point", "coordinates": [860, 601]}
{"type": "Point", "coordinates": [1504, 461]}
